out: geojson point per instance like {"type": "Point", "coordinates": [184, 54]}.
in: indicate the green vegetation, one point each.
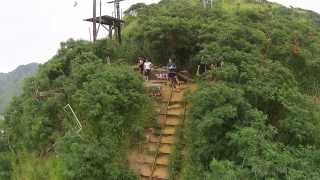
{"type": "Point", "coordinates": [11, 83]}
{"type": "Point", "coordinates": [109, 101]}
{"type": "Point", "coordinates": [256, 120]}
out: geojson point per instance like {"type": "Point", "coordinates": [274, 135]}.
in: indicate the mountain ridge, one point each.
{"type": "Point", "coordinates": [11, 82]}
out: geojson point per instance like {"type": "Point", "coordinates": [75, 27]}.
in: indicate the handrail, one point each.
{"type": "Point", "coordinates": [75, 117]}
{"type": "Point", "coordinates": [159, 143]}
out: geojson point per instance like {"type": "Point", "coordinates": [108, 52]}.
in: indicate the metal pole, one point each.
{"type": "Point", "coordinates": [118, 9]}
{"type": "Point", "coordinates": [94, 20]}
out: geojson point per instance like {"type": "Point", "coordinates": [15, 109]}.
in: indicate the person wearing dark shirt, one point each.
{"type": "Point", "coordinates": [202, 68]}
{"type": "Point", "coordinates": [172, 75]}
{"type": "Point", "coordinates": [141, 65]}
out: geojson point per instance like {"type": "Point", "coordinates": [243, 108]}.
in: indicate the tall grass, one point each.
{"type": "Point", "coordinates": [28, 166]}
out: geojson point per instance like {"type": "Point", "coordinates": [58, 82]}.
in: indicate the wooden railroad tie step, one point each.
{"type": "Point", "coordinates": [145, 170]}
{"type": "Point", "coordinates": [175, 106]}
{"type": "Point", "coordinates": [172, 123]}
{"type": "Point", "coordinates": [173, 102]}
{"type": "Point", "coordinates": [151, 147]}
{"type": "Point", "coordinates": [165, 149]}
{"type": "Point", "coordinates": [146, 159]}
{"type": "Point", "coordinates": [171, 114]}
{"type": "Point", "coordinates": [161, 172]}
{"type": "Point", "coordinates": [152, 139]}
{"type": "Point", "coordinates": [177, 112]}
{"type": "Point", "coordinates": [168, 131]}
{"type": "Point", "coordinates": [163, 160]}
{"type": "Point", "coordinates": [167, 140]}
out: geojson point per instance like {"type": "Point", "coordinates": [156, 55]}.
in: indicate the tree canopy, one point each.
{"type": "Point", "coordinates": [109, 101]}
{"type": "Point", "coordinates": [253, 116]}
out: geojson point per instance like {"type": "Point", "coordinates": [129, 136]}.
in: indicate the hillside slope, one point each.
{"type": "Point", "coordinates": [75, 119]}
{"type": "Point", "coordinates": [11, 83]}
{"type": "Point", "coordinates": [252, 117]}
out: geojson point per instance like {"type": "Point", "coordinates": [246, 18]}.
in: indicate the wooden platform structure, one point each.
{"type": "Point", "coordinates": [109, 23]}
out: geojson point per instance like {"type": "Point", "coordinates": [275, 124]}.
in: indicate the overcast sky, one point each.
{"type": "Point", "coordinates": [33, 29]}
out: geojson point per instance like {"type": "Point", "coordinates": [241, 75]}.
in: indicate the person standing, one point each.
{"type": "Point", "coordinates": [202, 68]}
{"type": "Point", "coordinates": [147, 69]}
{"type": "Point", "coordinates": [171, 66]}
{"type": "Point", "coordinates": [172, 75]}
{"type": "Point", "coordinates": [141, 65]}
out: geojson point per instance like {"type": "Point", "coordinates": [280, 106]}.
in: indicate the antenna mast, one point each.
{"type": "Point", "coordinates": [117, 14]}
{"type": "Point", "coordinates": [94, 29]}
{"type": "Point", "coordinates": [114, 23]}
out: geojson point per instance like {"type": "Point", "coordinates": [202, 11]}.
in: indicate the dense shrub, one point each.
{"type": "Point", "coordinates": [109, 101]}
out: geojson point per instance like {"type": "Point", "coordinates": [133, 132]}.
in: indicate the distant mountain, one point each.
{"type": "Point", "coordinates": [11, 83]}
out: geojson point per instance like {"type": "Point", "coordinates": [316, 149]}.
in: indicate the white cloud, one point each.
{"type": "Point", "coordinates": [32, 30]}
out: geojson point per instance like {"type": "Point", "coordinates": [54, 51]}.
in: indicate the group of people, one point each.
{"type": "Point", "coordinates": [145, 67]}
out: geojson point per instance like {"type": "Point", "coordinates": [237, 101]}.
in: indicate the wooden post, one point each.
{"type": "Point", "coordinates": [119, 32]}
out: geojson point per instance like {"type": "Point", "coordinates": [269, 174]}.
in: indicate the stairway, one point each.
{"type": "Point", "coordinates": [152, 163]}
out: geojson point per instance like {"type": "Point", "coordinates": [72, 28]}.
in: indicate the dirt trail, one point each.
{"type": "Point", "coordinates": [152, 160]}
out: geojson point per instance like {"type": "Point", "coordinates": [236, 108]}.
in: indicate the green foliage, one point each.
{"type": "Point", "coordinates": [5, 164]}
{"type": "Point", "coordinates": [231, 32]}
{"type": "Point", "coordinates": [96, 161]}
{"type": "Point", "coordinates": [29, 166]}
{"type": "Point", "coordinates": [257, 121]}
{"type": "Point", "coordinates": [229, 136]}
{"type": "Point", "coordinates": [109, 101]}
{"type": "Point", "coordinates": [160, 31]}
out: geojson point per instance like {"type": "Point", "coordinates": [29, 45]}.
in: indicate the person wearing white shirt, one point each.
{"type": "Point", "coordinates": [147, 69]}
